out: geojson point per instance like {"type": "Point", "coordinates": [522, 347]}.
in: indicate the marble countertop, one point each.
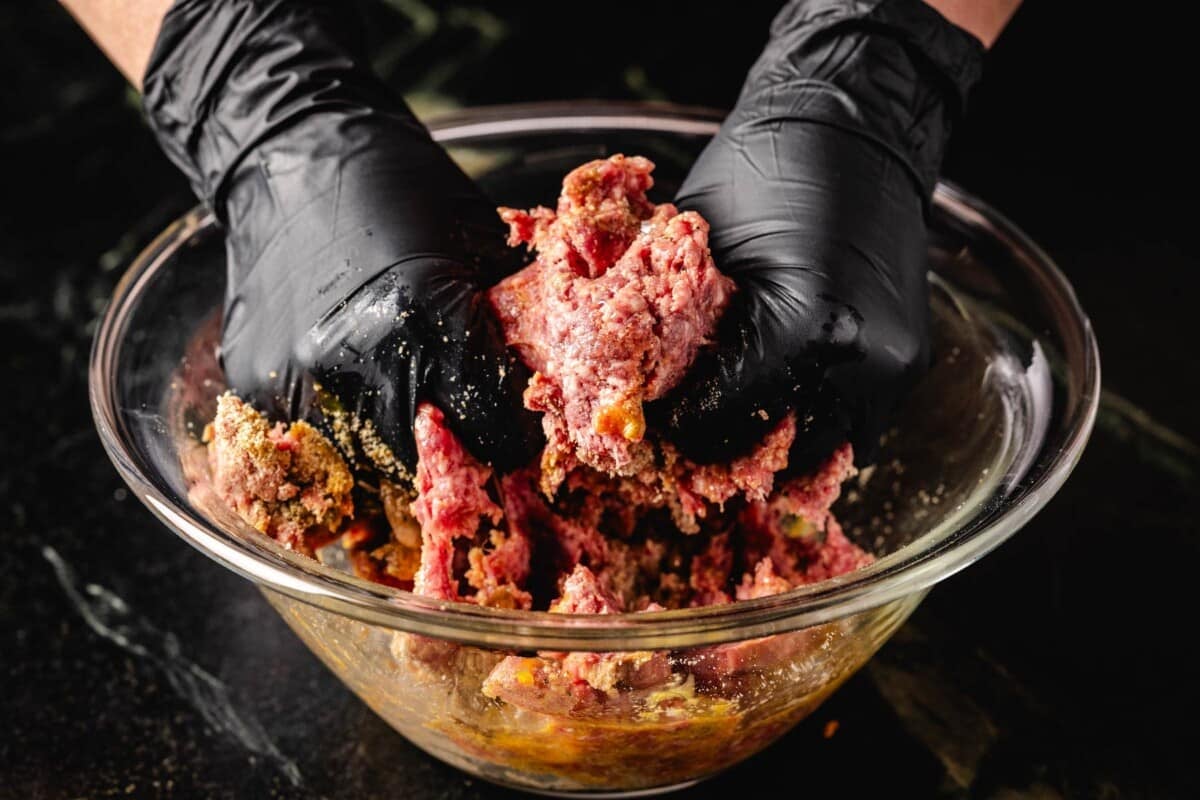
{"type": "Point", "coordinates": [1056, 667]}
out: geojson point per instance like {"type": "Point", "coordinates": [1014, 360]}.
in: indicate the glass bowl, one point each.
{"type": "Point", "coordinates": [982, 444]}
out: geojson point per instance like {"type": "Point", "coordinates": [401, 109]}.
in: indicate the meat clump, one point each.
{"type": "Point", "coordinates": [286, 481]}
{"type": "Point", "coordinates": [611, 313]}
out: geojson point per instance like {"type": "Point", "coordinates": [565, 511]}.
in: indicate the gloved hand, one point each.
{"type": "Point", "coordinates": [817, 187]}
{"type": "Point", "coordinates": [358, 251]}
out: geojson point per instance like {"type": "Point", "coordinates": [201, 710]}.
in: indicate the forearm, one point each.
{"type": "Point", "coordinates": [124, 29]}
{"type": "Point", "coordinates": [984, 19]}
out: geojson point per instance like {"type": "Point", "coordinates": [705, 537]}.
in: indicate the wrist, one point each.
{"type": "Point", "coordinates": [893, 71]}
{"type": "Point", "coordinates": [124, 29]}
{"type": "Point", "coordinates": [226, 76]}
{"type": "Point", "coordinates": [983, 19]}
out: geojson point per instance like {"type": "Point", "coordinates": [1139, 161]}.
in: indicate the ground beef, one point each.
{"type": "Point", "coordinates": [710, 572]}
{"type": "Point", "coordinates": [612, 519]}
{"type": "Point", "coordinates": [622, 295]}
{"type": "Point", "coordinates": [287, 481]}
{"type": "Point", "coordinates": [585, 677]}
{"type": "Point", "coordinates": [752, 476]}
{"type": "Point", "coordinates": [377, 553]}
{"type": "Point", "coordinates": [499, 570]}
{"type": "Point", "coordinates": [764, 582]}
{"type": "Point", "coordinates": [607, 525]}
{"type": "Point", "coordinates": [796, 531]}
{"type": "Point", "coordinates": [583, 593]}
{"type": "Point", "coordinates": [541, 685]}
{"type": "Point", "coordinates": [613, 310]}
{"type": "Point", "coordinates": [600, 212]}
{"type": "Point", "coordinates": [452, 501]}
{"type": "Point", "coordinates": [619, 300]}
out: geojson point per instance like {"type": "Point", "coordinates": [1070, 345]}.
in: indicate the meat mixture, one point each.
{"type": "Point", "coordinates": [619, 298]}
{"type": "Point", "coordinates": [287, 481]}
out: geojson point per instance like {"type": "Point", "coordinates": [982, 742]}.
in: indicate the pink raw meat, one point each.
{"type": "Point", "coordinates": [286, 481]}
{"type": "Point", "coordinates": [611, 313]}
{"type": "Point", "coordinates": [580, 676]}
{"type": "Point", "coordinates": [621, 297]}
{"type": "Point", "coordinates": [451, 502]}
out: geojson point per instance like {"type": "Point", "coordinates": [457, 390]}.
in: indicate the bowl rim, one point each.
{"type": "Point", "coordinates": [889, 579]}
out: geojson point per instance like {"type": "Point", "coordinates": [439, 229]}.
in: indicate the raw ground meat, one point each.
{"type": "Point", "coordinates": [452, 501]}
{"type": "Point", "coordinates": [613, 519]}
{"type": "Point", "coordinates": [587, 677]}
{"type": "Point", "coordinates": [621, 297]}
{"type": "Point", "coordinates": [287, 481]}
{"type": "Point", "coordinates": [726, 662]}
{"type": "Point", "coordinates": [599, 214]}
{"type": "Point", "coordinates": [619, 300]}
{"type": "Point", "coordinates": [601, 522]}
{"type": "Point", "coordinates": [796, 530]}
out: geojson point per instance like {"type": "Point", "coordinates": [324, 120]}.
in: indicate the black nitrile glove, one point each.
{"type": "Point", "coordinates": [817, 187]}
{"type": "Point", "coordinates": [358, 251]}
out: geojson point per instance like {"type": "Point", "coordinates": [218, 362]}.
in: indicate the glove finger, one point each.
{"type": "Point", "coordinates": [422, 331]}
{"type": "Point", "coordinates": [478, 383]}
{"type": "Point", "coordinates": [733, 394]}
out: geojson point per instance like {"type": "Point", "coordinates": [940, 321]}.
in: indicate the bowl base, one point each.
{"type": "Point", "coordinates": [597, 794]}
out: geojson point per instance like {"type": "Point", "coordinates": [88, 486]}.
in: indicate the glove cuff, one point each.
{"type": "Point", "coordinates": [227, 74]}
{"type": "Point", "coordinates": [894, 71]}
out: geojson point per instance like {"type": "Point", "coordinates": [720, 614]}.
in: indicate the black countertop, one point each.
{"type": "Point", "coordinates": [1057, 667]}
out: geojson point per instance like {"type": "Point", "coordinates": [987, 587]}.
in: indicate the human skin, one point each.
{"type": "Point", "coordinates": [984, 19]}
{"type": "Point", "coordinates": [126, 29]}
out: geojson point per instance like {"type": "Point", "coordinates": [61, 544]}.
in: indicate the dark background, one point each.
{"type": "Point", "coordinates": [1058, 667]}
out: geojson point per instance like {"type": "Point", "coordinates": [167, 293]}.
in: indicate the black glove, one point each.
{"type": "Point", "coordinates": [817, 187]}
{"type": "Point", "coordinates": [358, 251]}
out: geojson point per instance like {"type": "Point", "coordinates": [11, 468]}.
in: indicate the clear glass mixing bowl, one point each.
{"type": "Point", "coordinates": [983, 443]}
